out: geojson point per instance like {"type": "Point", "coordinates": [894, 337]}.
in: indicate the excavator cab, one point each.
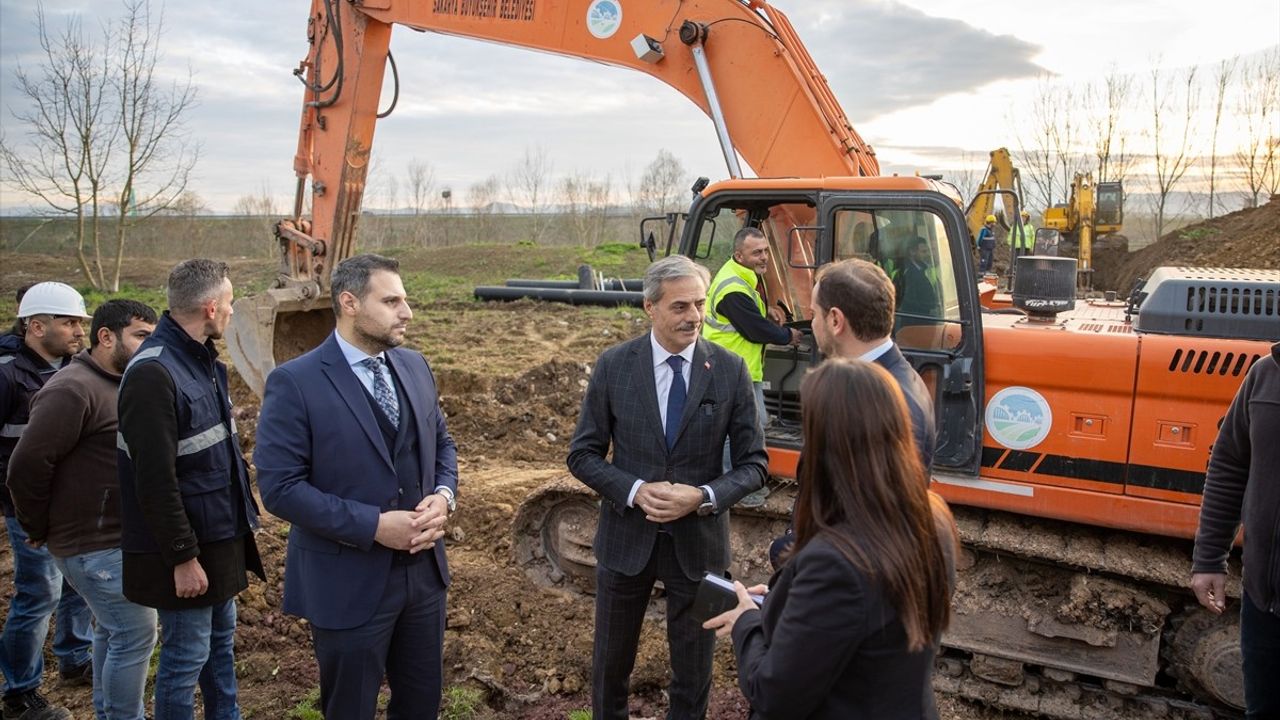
{"type": "Point", "coordinates": [918, 237]}
{"type": "Point", "coordinates": [1109, 215]}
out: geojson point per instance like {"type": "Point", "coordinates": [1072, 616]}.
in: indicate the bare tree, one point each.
{"type": "Point", "coordinates": [1258, 103]}
{"type": "Point", "coordinates": [1049, 152]}
{"type": "Point", "coordinates": [1108, 103]}
{"type": "Point", "coordinates": [969, 175]}
{"type": "Point", "coordinates": [585, 200]}
{"type": "Point", "coordinates": [664, 185]}
{"type": "Point", "coordinates": [483, 198]}
{"type": "Point", "coordinates": [156, 155]}
{"type": "Point", "coordinates": [188, 204]}
{"type": "Point", "coordinates": [1221, 84]}
{"type": "Point", "coordinates": [69, 132]}
{"type": "Point", "coordinates": [528, 187]}
{"type": "Point", "coordinates": [422, 185]}
{"type": "Point", "coordinates": [1174, 103]}
{"type": "Point", "coordinates": [260, 207]}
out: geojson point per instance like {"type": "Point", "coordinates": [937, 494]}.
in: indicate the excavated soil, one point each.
{"type": "Point", "coordinates": [1247, 238]}
{"type": "Point", "coordinates": [511, 378]}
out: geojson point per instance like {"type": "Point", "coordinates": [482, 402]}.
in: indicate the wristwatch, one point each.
{"type": "Point", "coordinates": [706, 508]}
{"type": "Point", "coordinates": [447, 494]}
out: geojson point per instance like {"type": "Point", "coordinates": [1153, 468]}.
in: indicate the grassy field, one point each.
{"type": "Point", "coordinates": [431, 274]}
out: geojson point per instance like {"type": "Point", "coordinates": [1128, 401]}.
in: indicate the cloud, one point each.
{"type": "Point", "coordinates": [880, 57]}
{"type": "Point", "coordinates": [470, 108]}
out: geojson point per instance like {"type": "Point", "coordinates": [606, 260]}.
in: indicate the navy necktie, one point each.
{"type": "Point", "coordinates": [675, 399]}
{"type": "Point", "coordinates": [382, 393]}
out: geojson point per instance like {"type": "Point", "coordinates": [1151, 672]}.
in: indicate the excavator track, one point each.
{"type": "Point", "coordinates": [1050, 618]}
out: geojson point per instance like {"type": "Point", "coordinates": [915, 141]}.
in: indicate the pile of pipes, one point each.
{"type": "Point", "coordinates": [591, 288]}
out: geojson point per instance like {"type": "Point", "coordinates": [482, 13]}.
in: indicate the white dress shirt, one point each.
{"type": "Point", "coordinates": [662, 375]}
{"type": "Point", "coordinates": [877, 351]}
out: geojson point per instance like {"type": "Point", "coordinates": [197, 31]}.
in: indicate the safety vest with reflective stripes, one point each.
{"type": "Point", "coordinates": [1027, 241]}
{"type": "Point", "coordinates": [734, 278]}
{"type": "Point", "coordinates": [208, 464]}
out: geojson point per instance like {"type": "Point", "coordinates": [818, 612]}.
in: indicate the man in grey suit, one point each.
{"type": "Point", "coordinates": [665, 401]}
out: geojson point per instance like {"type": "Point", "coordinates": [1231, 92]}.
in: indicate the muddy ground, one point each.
{"type": "Point", "coordinates": [511, 379]}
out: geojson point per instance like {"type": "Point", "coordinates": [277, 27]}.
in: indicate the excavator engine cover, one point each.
{"type": "Point", "coordinates": [1211, 302]}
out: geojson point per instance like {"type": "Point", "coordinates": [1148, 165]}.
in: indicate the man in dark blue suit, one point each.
{"type": "Point", "coordinates": [852, 308]}
{"type": "Point", "coordinates": [352, 450]}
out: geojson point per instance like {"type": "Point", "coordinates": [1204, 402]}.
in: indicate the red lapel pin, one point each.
{"type": "Point", "coordinates": [707, 364]}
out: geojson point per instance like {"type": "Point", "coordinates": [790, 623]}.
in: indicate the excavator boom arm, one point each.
{"type": "Point", "coordinates": [778, 112]}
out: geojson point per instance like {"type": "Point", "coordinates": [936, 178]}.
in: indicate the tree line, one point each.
{"type": "Point", "coordinates": [1207, 133]}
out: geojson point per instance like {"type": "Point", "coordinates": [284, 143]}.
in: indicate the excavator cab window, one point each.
{"type": "Point", "coordinates": [910, 246]}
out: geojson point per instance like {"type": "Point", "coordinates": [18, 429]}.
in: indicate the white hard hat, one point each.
{"type": "Point", "coordinates": [52, 298]}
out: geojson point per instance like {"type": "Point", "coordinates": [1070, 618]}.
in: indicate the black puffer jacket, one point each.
{"type": "Point", "coordinates": [1244, 471]}
{"type": "Point", "coordinates": [22, 373]}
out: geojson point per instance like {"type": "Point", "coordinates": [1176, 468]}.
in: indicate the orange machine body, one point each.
{"type": "Point", "coordinates": [1130, 424]}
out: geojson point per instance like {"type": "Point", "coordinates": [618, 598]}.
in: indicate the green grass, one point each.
{"type": "Point", "coordinates": [308, 708]}
{"type": "Point", "coordinates": [461, 703]}
{"type": "Point", "coordinates": [579, 715]}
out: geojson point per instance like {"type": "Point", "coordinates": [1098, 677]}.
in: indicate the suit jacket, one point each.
{"type": "Point", "coordinates": [828, 645]}
{"type": "Point", "coordinates": [620, 410]}
{"type": "Point", "coordinates": [324, 466]}
{"type": "Point", "coordinates": [918, 402]}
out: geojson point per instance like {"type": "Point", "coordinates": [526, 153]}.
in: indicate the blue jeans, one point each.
{"type": "Point", "coordinates": [197, 646]}
{"type": "Point", "coordinates": [1260, 648]}
{"type": "Point", "coordinates": [124, 634]}
{"type": "Point", "coordinates": [38, 588]}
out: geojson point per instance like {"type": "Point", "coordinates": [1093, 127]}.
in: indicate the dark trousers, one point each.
{"type": "Point", "coordinates": [403, 641]}
{"type": "Point", "coordinates": [1260, 646]}
{"type": "Point", "coordinates": [621, 602]}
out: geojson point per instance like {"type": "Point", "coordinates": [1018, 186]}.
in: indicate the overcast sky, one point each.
{"type": "Point", "coordinates": [924, 81]}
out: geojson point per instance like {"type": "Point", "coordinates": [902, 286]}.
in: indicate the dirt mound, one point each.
{"type": "Point", "coordinates": [1245, 238]}
{"type": "Point", "coordinates": [526, 418]}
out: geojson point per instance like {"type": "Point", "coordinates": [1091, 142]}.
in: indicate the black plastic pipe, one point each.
{"type": "Point", "coordinates": [631, 284]}
{"type": "Point", "coordinates": [607, 298]}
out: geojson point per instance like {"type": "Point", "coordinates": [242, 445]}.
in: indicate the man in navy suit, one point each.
{"type": "Point", "coordinates": [352, 450]}
{"type": "Point", "coordinates": [852, 307]}
{"type": "Point", "coordinates": [663, 403]}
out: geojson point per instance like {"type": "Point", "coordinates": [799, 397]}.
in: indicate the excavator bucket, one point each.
{"type": "Point", "coordinates": [272, 327]}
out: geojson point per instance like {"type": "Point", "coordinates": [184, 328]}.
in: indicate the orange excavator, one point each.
{"type": "Point", "coordinates": [1072, 435]}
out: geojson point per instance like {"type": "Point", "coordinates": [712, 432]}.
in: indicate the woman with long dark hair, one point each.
{"type": "Point", "coordinates": [853, 618]}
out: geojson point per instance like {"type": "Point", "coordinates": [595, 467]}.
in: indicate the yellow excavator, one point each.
{"type": "Point", "coordinates": [1091, 212]}
{"type": "Point", "coordinates": [1002, 179]}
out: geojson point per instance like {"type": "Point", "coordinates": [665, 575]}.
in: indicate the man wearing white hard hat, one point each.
{"type": "Point", "coordinates": [49, 331]}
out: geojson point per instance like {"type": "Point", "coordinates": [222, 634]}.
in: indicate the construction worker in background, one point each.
{"type": "Point", "coordinates": [50, 329]}
{"type": "Point", "coordinates": [739, 320]}
{"type": "Point", "coordinates": [987, 245]}
{"type": "Point", "coordinates": [1022, 238]}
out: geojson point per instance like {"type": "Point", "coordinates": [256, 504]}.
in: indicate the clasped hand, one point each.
{"type": "Point", "coordinates": [414, 530]}
{"type": "Point", "coordinates": [665, 502]}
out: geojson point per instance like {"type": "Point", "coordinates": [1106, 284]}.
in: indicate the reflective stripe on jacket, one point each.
{"type": "Point", "coordinates": [208, 458]}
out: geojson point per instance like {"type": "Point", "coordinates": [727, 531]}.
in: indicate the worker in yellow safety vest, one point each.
{"type": "Point", "coordinates": [739, 319]}
{"type": "Point", "coordinates": [1022, 239]}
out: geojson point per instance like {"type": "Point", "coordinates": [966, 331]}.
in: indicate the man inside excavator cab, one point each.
{"type": "Point", "coordinates": [910, 246]}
